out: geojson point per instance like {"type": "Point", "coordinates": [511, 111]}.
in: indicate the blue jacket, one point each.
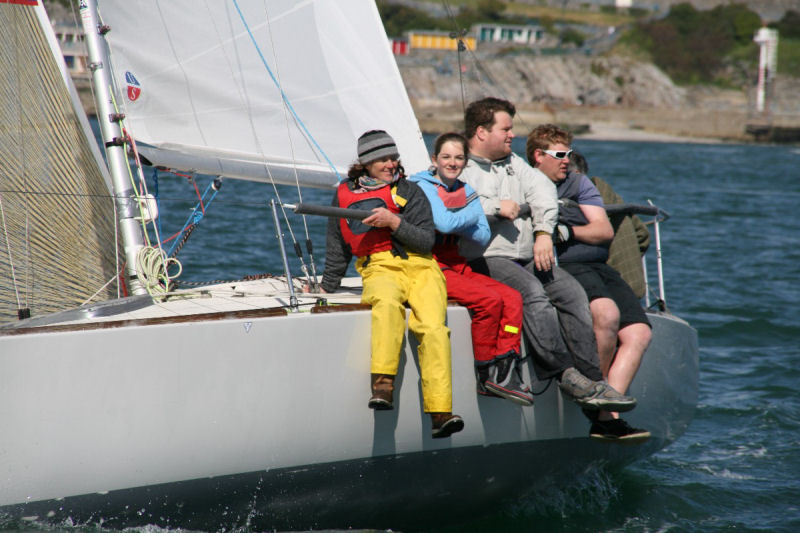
{"type": "Point", "coordinates": [468, 222]}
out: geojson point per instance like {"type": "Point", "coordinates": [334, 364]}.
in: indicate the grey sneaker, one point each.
{"type": "Point", "coordinates": [593, 395]}
{"type": "Point", "coordinates": [506, 382]}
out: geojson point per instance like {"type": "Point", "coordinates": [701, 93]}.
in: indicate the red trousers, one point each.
{"type": "Point", "coordinates": [496, 310]}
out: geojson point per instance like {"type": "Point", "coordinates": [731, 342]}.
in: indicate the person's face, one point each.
{"type": "Point", "coordinates": [383, 169]}
{"type": "Point", "coordinates": [553, 168]}
{"type": "Point", "coordinates": [497, 139]}
{"type": "Point", "coordinates": [450, 160]}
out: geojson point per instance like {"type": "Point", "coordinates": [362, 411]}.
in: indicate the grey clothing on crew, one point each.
{"type": "Point", "coordinates": [556, 317]}
{"type": "Point", "coordinates": [510, 178]}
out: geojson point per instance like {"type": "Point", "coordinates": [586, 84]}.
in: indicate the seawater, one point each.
{"type": "Point", "coordinates": [732, 264]}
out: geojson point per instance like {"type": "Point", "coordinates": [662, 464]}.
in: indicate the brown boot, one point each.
{"type": "Point", "coordinates": [382, 389]}
{"type": "Point", "coordinates": [445, 424]}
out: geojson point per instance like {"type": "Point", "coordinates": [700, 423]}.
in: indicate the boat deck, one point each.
{"type": "Point", "coordinates": [233, 298]}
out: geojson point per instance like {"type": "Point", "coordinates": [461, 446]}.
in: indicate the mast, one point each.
{"type": "Point", "coordinates": [126, 205]}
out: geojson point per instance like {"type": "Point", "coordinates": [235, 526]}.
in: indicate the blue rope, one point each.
{"type": "Point", "coordinates": [283, 95]}
{"type": "Point", "coordinates": [196, 216]}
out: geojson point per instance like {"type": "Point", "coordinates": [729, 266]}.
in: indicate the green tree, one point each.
{"type": "Point", "coordinates": [690, 45]}
{"type": "Point", "coordinates": [789, 25]}
{"type": "Point", "coordinates": [571, 35]}
{"type": "Point", "coordinates": [398, 18]}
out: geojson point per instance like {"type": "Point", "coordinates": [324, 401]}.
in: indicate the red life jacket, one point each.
{"type": "Point", "coordinates": [362, 239]}
{"type": "Point", "coordinates": [445, 248]}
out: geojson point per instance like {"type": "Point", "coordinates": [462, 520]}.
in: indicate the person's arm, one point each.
{"type": "Point", "coordinates": [416, 230]}
{"type": "Point", "coordinates": [464, 222]}
{"type": "Point", "coordinates": [541, 196]}
{"type": "Point", "coordinates": [598, 230]}
{"type": "Point", "coordinates": [478, 232]}
{"type": "Point", "coordinates": [337, 253]}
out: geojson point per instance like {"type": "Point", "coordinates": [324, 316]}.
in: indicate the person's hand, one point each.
{"type": "Point", "coordinates": [563, 233]}
{"type": "Point", "coordinates": [509, 209]}
{"type": "Point", "coordinates": [382, 218]}
{"type": "Point", "coordinates": [543, 256]}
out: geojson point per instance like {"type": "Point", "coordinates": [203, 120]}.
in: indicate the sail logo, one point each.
{"type": "Point", "coordinates": [134, 87]}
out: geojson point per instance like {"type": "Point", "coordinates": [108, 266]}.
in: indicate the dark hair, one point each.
{"type": "Point", "coordinates": [543, 136]}
{"type": "Point", "coordinates": [450, 136]}
{"type": "Point", "coordinates": [578, 163]}
{"type": "Point", "coordinates": [357, 170]}
{"type": "Point", "coordinates": [481, 113]}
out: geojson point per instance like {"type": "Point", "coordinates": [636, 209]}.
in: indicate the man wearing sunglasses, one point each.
{"type": "Point", "coordinates": [522, 207]}
{"type": "Point", "coordinates": [583, 237]}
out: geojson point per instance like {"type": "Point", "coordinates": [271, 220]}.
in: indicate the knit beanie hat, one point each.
{"type": "Point", "coordinates": [374, 145]}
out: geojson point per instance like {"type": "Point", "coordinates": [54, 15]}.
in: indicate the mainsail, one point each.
{"type": "Point", "coordinates": [255, 89]}
{"type": "Point", "coordinates": [56, 214]}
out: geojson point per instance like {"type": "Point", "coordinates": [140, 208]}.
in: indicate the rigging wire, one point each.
{"type": "Point", "coordinates": [280, 89]}
{"type": "Point", "coordinates": [481, 71]}
{"type": "Point", "coordinates": [311, 276]}
{"type": "Point", "coordinates": [458, 34]}
{"type": "Point", "coordinates": [8, 248]}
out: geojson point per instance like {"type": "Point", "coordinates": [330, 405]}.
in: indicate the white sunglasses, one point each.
{"type": "Point", "coordinates": [558, 154]}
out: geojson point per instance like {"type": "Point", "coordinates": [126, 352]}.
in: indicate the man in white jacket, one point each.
{"type": "Point", "coordinates": [522, 206]}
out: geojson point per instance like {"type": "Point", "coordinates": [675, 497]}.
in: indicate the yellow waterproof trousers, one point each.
{"type": "Point", "coordinates": [390, 282]}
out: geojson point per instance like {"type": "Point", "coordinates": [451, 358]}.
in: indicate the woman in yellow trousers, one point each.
{"type": "Point", "coordinates": [393, 249]}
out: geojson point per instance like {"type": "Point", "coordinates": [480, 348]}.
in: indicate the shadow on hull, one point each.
{"type": "Point", "coordinates": [406, 492]}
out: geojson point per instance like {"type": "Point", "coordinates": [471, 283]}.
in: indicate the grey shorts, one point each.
{"type": "Point", "coordinates": [601, 281]}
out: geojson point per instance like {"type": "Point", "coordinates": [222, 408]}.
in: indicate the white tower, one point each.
{"type": "Point", "coordinates": [767, 40]}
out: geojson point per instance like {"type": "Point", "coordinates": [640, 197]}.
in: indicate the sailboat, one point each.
{"type": "Point", "coordinates": [240, 404]}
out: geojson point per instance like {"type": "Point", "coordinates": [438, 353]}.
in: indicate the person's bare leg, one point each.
{"type": "Point", "coordinates": [633, 341]}
{"type": "Point", "coordinates": [605, 321]}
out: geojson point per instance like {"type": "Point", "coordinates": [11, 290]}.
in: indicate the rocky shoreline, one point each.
{"type": "Point", "coordinates": [611, 124]}
{"type": "Point", "coordinates": [611, 98]}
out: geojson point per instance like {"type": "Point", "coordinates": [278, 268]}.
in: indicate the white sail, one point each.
{"type": "Point", "coordinates": [202, 83]}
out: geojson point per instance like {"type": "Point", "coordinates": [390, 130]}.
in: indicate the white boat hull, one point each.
{"type": "Point", "coordinates": [265, 418]}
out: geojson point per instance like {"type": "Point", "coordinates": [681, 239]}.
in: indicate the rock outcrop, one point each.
{"type": "Point", "coordinates": [598, 92]}
{"type": "Point", "coordinates": [529, 79]}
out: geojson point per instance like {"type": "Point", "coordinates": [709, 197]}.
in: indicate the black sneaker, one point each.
{"type": "Point", "coordinates": [481, 375]}
{"type": "Point", "coordinates": [505, 382]}
{"type": "Point", "coordinates": [617, 430]}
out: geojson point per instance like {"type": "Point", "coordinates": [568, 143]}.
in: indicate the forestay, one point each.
{"type": "Point", "coordinates": [199, 85]}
